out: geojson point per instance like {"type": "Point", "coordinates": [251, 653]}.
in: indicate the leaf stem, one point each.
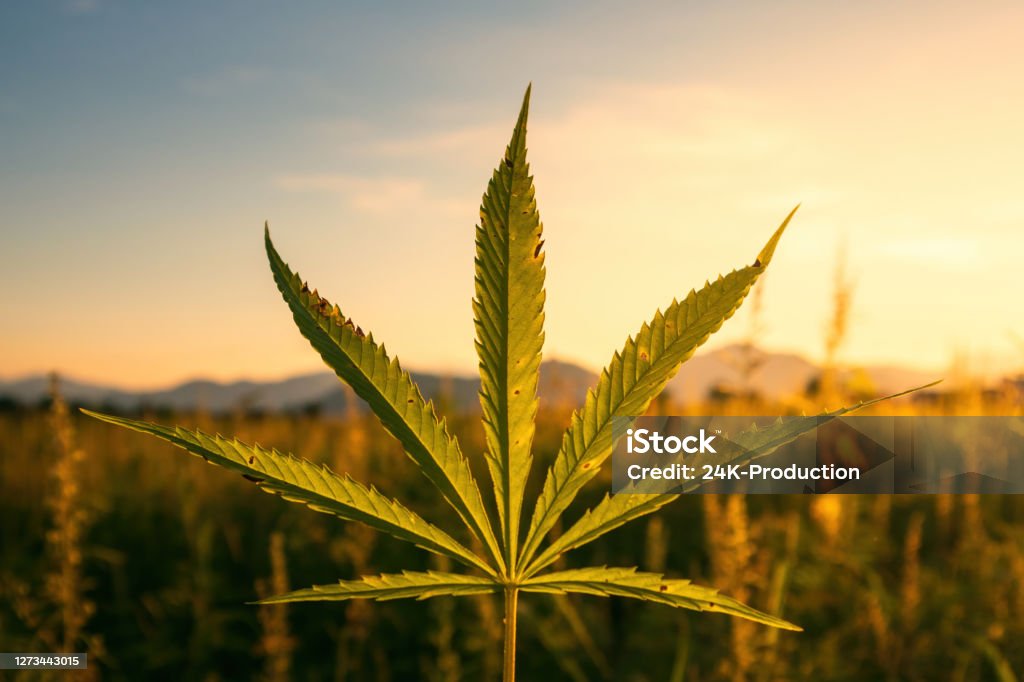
{"type": "Point", "coordinates": [511, 606]}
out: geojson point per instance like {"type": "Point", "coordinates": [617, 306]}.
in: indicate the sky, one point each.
{"type": "Point", "coordinates": [143, 145]}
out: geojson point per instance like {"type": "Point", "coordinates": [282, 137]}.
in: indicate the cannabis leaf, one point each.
{"type": "Point", "coordinates": [390, 392]}
{"type": "Point", "coordinates": [316, 486]}
{"type": "Point", "coordinates": [509, 317]}
{"type": "Point", "coordinates": [635, 376]}
{"type": "Point", "coordinates": [634, 501]}
{"type": "Point", "coordinates": [391, 586]}
{"type": "Point", "coordinates": [509, 310]}
{"type": "Point", "coordinates": [628, 582]}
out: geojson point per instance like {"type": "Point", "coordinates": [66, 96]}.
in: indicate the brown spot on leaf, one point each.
{"type": "Point", "coordinates": [536, 251]}
{"type": "Point", "coordinates": [508, 162]}
{"type": "Point", "coordinates": [586, 465]}
{"type": "Point", "coordinates": [663, 588]}
{"type": "Point", "coordinates": [304, 289]}
{"type": "Point", "coordinates": [515, 392]}
{"type": "Point", "coordinates": [757, 262]}
{"type": "Point", "coordinates": [643, 356]}
{"type": "Point", "coordinates": [252, 459]}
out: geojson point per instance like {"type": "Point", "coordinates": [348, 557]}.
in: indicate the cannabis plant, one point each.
{"type": "Point", "coordinates": [513, 557]}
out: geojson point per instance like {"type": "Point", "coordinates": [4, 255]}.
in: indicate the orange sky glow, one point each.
{"type": "Point", "coordinates": [897, 129]}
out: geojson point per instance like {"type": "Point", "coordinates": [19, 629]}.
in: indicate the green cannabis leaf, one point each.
{"type": "Point", "coordinates": [509, 317]}
{"type": "Point", "coordinates": [509, 311]}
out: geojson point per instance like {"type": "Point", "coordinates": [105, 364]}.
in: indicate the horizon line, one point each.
{"type": "Point", "coordinates": [453, 373]}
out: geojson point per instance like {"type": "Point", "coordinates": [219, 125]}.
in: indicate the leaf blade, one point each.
{"type": "Point", "coordinates": [317, 487]}
{"type": "Point", "coordinates": [387, 586]}
{"type": "Point", "coordinates": [390, 392]}
{"type": "Point", "coordinates": [653, 587]}
{"type": "Point", "coordinates": [509, 319]}
{"type": "Point", "coordinates": [616, 510]}
{"type": "Point", "coordinates": [635, 376]}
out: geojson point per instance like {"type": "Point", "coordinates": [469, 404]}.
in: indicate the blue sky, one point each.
{"type": "Point", "coordinates": [142, 145]}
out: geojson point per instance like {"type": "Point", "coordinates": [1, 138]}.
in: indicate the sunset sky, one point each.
{"type": "Point", "coordinates": [142, 146]}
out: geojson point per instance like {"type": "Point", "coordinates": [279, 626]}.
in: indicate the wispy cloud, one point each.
{"type": "Point", "coordinates": [958, 253]}
{"type": "Point", "coordinates": [82, 6]}
{"type": "Point", "coordinates": [226, 78]}
{"type": "Point", "coordinates": [455, 141]}
{"type": "Point", "coordinates": [377, 196]}
{"type": "Point", "coordinates": [639, 120]}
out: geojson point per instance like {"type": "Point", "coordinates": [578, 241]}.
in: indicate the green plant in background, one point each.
{"type": "Point", "coordinates": [509, 316]}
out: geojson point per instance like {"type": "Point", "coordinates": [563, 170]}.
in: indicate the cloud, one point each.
{"type": "Point", "coordinates": [78, 7]}
{"type": "Point", "coordinates": [228, 78]}
{"type": "Point", "coordinates": [638, 120]}
{"type": "Point", "coordinates": [456, 141]}
{"type": "Point", "coordinates": [376, 196]}
{"type": "Point", "coordinates": [959, 253]}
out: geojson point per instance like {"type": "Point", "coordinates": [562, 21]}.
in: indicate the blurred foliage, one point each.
{"type": "Point", "coordinates": [909, 588]}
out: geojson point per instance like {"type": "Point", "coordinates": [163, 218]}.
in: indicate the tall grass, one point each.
{"type": "Point", "coordinates": [888, 588]}
{"type": "Point", "coordinates": [52, 603]}
{"type": "Point", "coordinates": [276, 644]}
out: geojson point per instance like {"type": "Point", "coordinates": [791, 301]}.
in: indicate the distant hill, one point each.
{"type": "Point", "coordinates": [559, 382]}
{"type": "Point", "coordinates": [198, 394]}
{"type": "Point", "coordinates": [776, 375]}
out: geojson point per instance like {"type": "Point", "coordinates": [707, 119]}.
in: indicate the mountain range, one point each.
{"type": "Point", "coordinates": [773, 375]}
